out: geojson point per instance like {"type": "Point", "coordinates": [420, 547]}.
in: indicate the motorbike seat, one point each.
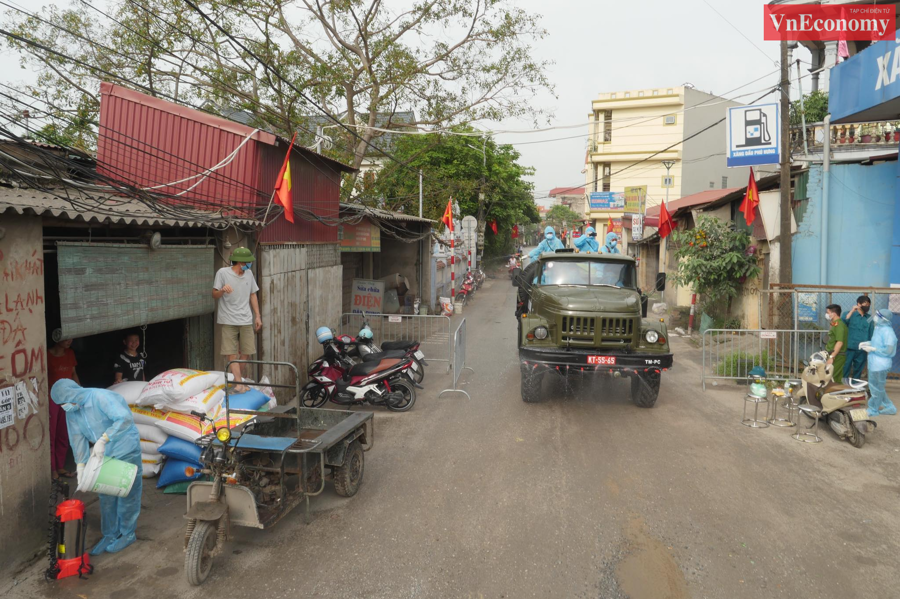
{"type": "Point", "coordinates": [401, 344]}
{"type": "Point", "coordinates": [377, 357]}
{"type": "Point", "coordinates": [367, 368]}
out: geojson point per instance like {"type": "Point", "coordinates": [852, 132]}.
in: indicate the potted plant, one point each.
{"type": "Point", "coordinates": [843, 134]}
{"type": "Point", "coordinates": [852, 137]}
{"type": "Point", "coordinates": [865, 132]}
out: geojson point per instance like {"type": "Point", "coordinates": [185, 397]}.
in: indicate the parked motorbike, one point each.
{"type": "Point", "coordinates": [466, 290]}
{"type": "Point", "coordinates": [479, 277]}
{"type": "Point", "coordinates": [333, 378]}
{"type": "Point", "coordinates": [366, 350]}
{"type": "Point", "coordinates": [843, 406]}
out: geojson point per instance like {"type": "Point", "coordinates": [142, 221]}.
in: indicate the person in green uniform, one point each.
{"type": "Point", "coordinates": [861, 327]}
{"type": "Point", "coordinates": [837, 341]}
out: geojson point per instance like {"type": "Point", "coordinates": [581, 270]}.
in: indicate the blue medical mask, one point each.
{"type": "Point", "coordinates": [549, 235]}
{"type": "Point", "coordinates": [245, 267]}
{"type": "Point", "coordinates": [613, 243]}
{"type": "Point", "coordinates": [69, 407]}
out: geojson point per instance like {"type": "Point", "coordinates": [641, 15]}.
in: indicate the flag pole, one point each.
{"type": "Point", "coordinates": [452, 256]}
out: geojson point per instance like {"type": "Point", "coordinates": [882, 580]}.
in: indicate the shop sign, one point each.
{"type": "Point", "coordinates": [637, 227]}
{"type": "Point", "coordinates": [616, 227]}
{"type": "Point", "coordinates": [753, 135]}
{"type": "Point", "coordinates": [607, 200]}
{"type": "Point", "coordinates": [367, 296]}
{"type": "Point", "coordinates": [634, 199]}
{"type": "Point", "coordinates": [363, 236]}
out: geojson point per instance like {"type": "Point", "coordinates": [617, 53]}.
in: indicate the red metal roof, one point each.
{"type": "Point", "coordinates": [566, 191]}
{"type": "Point", "coordinates": [696, 199]}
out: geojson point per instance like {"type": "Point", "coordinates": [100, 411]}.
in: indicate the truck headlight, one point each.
{"type": "Point", "coordinates": [651, 336]}
{"type": "Point", "coordinates": [541, 333]}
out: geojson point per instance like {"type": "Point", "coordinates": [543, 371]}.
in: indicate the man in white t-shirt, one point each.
{"type": "Point", "coordinates": [235, 289]}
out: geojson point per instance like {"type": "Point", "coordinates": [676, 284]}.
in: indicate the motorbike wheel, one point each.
{"type": "Point", "coordinates": [418, 375]}
{"type": "Point", "coordinates": [198, 555]}
{"type": "Point", "coordinates": [314, 398]}
{"type": "Point", "coordinates": [409, 395]}
{"type": "Point", "coordinates": [461, 297]}
{"type": "Point", "coordinates": [855, 437]}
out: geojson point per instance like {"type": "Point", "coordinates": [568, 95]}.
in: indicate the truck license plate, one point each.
{"type": "Point", "coordinates": [602, 360]}
{"type": "Point", "coordinates": [419, 355]}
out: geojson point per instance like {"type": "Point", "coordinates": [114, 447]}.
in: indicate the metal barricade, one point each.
{"type": "Point", "coordinates": [731, 354]}
{"type": "Point", "coordinates": [431, 331]}
{"type": "Point", "coordinates": [459, 359]}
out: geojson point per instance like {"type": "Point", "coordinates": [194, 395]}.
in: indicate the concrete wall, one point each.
{"type": "Point", "coordinates": [704, 155]}
{"type": "Point", "coordinates": [25, 443]}
{"type": "Point", "coordinates": [860, 222]}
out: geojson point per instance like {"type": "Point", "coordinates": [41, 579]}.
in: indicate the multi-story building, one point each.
{"type": "Point", "coordinates": [634, 133]}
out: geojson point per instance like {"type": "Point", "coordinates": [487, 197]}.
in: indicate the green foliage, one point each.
{"type": "Point", "coordinates": [714, 260]}
{"type": "Point", "coordinates": [739, 363]}
{"type": "Point", "coordinates": [815, 107]}
{"type": "Point", "coordinates": [454, 166]}
{"type": "Point", "coordinates": [559, 214]}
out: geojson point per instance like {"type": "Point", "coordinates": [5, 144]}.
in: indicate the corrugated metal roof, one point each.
{"type": "Point", "coordinates": [566, 191]}
{"type": "Point", "coordinates": [695, 199]}
{"type": "Point", "coordinates": [100, 208]}
{"type": "Point", "coordinates": [385, 214]}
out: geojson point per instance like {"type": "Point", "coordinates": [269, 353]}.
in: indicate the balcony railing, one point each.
{"type": "Point", "coordinates": [848, 136]}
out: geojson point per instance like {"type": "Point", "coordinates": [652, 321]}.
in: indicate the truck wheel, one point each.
{"type": "Point", "coordinates": [198, 555]}
{"type": "Point", "coordinates": [531, 386]}
{"type": "Point", "coordinates": [348, 478]}
{"type": "Point", "coordinates": [645, 389]}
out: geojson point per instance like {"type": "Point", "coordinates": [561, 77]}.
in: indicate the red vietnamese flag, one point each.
{"type": "Point", "coordinates": [515, 231]}
{"type": "Point", "coordinates": [494, 226]}
{"type": "Point", "coordinates": [666, 225]}
{"type": "Point", "coordinates": [283, 195]}
{"type": "Point", "coordinates": [447, 219]}
{"type": "Point", "coordinates": [751, 200]}
{"type": "Point", "coordinates": [610, 225]}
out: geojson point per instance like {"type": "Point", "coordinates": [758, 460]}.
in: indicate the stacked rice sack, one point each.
{"type": "Point", "coordinates": [162, 411]}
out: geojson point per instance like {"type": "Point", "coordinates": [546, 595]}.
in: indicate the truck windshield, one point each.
{"type": "Point", "coordinates": [587, 272]}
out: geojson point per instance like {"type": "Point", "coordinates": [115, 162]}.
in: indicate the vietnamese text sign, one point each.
{"type": "Point", "coordinates": [368, 296]}
{"type": "Point", "coordinates": [361, 237]}
{"type": "Point", "coordinates": [634, 199]}
{"type": "Point", "coordinates": [616, 226]}
{"type": "Point", "coordinates": [871, 79]}
{"type": "Point", "coordinates": [7, 412]}
{"type": "Point", "coordinates": [768, 335]}
{"type": "Point", "coordinates": [832, 22]}
{"type": "Point", "coordinates": [607, 200]}
{"type": "Point", "coordinates": [637, 227]}
{"type": "Point", "coordinates": [752, 135]}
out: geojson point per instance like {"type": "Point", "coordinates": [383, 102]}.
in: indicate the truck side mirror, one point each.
{"type": "Point", "coordinates": [644, 304]}
{"type": "Point", "coordinates": [516, 274]}
{"type": "Point", "coordinates": [661, 281]}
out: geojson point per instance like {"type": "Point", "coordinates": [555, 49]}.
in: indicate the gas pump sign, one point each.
{"type": "Point", "coordinates": [752, 135]}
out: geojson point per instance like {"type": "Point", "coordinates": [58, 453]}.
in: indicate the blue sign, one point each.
{"type": "Point", "coordinates": [607, 200]}
{"type": "Point", "coordinates": [865, 81]}
{"type": "Point", "coordinates": [753, 135]}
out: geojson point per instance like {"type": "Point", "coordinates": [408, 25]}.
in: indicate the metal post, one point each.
{"type": "Point", "coordinates": [420, 193]}
{"type": "Point", "coordinates": [823, 216]}
{"type": "Point", "coordinates": [691, 319]}
{"type": "Point", "coordinates": [802, 114]}
{"type": "Point", "coordinates": [785, 268]}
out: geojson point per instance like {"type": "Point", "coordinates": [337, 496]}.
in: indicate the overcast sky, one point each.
{"type": "Point", "coordinates": [600, 46]}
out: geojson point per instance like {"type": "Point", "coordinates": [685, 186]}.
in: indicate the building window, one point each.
{"type": "Point", "coordinates": [669, 120]}
{"type": "Point", "coordinates": [627, 94]}
{"type": "Point", "coordinates": [669, 91]}
{"type": "Point", "coordinates": [612, 96]}
{"type": "Point", "coordinates": [607, 177]}
{"type": "Point", "coordinates": [712, 184]}
{"type": "Point", "coordinates": [607, 125]}
{"type": "Point", "coordinates": [596, 177]}
{"type": "Point", "coordinates": [724, 182]}
{"type": "Point", "coordinates": [656, 92]}
{"type": "Point", "coordinates": [640, 94]}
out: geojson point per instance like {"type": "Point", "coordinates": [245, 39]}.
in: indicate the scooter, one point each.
{"type": "Point", "coordinates": [843, 406]}
{"type": "Point", "coordinates": [466, 291]}
{"type": "Point", "coordinates": [384, 382]}
{"type": "Point", "coordinates": [364, 349]}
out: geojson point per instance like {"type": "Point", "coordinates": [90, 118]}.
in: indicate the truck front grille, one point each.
{"type": "Point", "coordinates": [616, 328]}
{"type": "Point", "coordinates": [577, 328]}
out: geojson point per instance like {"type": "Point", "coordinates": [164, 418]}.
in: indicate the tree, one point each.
{"type": "Point", "coordinates": [815, 107]}
{"type": "Point", "coordinates": [454, 166]}
{"type": "Point", "coordinates": [450, 61]}
{"type": "Point", "coordinates": [714, 260]}
{"type": "Point", "coordinates": [560, 213]}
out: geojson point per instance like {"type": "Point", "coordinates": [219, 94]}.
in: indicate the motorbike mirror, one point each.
{"type": "Point", "coordinates": [661, 281]}
{"type": "Point", "coordinates": [517, 272]}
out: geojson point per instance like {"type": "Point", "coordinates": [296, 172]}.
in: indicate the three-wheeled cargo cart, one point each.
{"type": "Point", "coordinates": [261, 470]}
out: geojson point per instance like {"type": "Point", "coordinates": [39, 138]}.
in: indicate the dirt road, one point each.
{"type": "Point", "coordinates": [583, 495]}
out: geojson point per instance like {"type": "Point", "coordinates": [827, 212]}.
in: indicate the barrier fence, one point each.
{"type": "Point", "coordinates": [731, 354]}
{"type": "Point", "coordinates": [432, 332]}
{"type": "Point", "coordinates": [459, 359]}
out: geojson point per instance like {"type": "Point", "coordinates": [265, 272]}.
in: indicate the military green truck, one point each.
{"type": "Point", "coordinates": [582, 314]}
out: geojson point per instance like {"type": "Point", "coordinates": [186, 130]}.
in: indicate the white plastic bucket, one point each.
{"type": "Point", "coordinates": [108, 476]}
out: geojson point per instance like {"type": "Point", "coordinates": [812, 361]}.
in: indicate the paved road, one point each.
{"type": "Point", "coordinates": [583, 495]}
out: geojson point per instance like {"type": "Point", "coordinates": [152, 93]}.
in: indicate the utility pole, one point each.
{"type": "Point", "coordinates": [420, 193]}
{"type": "Point", "coordinates": [785, 273]}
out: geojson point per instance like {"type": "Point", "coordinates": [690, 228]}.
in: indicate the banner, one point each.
{"type": "Point", "coordinates": [637, 227]}
{"type": "Point", "coordinates": [607, 200]}
{"type": "Point", "coordinates": [368, 296]}
{"type": "Point", "coordinates": [361, 237]}
{"type": "Point", "coordinates": [634, 199]}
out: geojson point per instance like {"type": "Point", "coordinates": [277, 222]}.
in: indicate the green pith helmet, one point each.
{"type": "Point", "coordinates": [242, 255]}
